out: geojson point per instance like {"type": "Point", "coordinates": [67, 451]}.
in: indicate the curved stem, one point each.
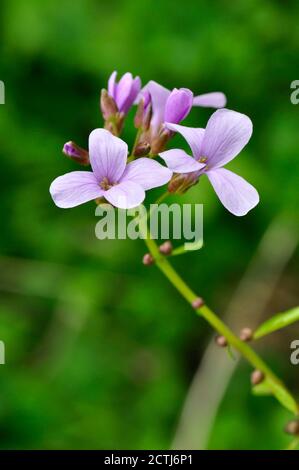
{"type": "Point", "coordinates": [243, 348]}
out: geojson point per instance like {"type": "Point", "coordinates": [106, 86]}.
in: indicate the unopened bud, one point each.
{"type": "Point", "coordinates": [257, 377]}
{"type": "Point", "coordinates": [180, 183]}
{"type": "Point", "coordinates": [166, 248]}
{"type": "Point", "coordinates": [144, 112]}
{"type": "Point", "coordinates": [108, 105]}
{"type": "Point", "coordinates": [246, 334]}
{"type": "Point", "coordinates": [292, 427]}
{"type": "Point", "coordinates": [158, 144]}
{"type": "Point", "coordinates": [197, 303]}
{"type": "Point", "coordinates": [73, 151]}
{"type": "Point", "coordinates": [142, 149]}
{"type": "Point", "coordinates": [221, 341]}
{"type": "Point", "coordinates": [138, 119]}
{"type": "Point", "coordinates": [148, 259]}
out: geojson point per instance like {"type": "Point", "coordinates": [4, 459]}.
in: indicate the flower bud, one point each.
{"type": "Point", "coordinates": [144, 112]}
{"type": "Point", "coordinates": [221, 341]}
{"type": "Point", "coordinates": [159, 142]}
{"type": "Point", "coordinates": [76, 153]}
{"type": "Point", "coordinates": [142, 149]}
{"type": "Point", "coordinates": [108, 105]}
{"type": "Point", "coordinates": [148, 259]}
{"type": "Point", "coordinates": [180, 183]}
{"type": "Point", "coordinates": [178, 105]}
{"type": "Point", "coordinates": [292, 427]}
{"type": "Point", "coordinates": [246, 334]}
{"type": "Point", "coordinates": [166, 248]}
{"type": "Point", "coordinates": [198, 303]}
{"type": "Point", "coordinates": [257, 377]}
{"type": "Point", "coordinates": [125, 91]}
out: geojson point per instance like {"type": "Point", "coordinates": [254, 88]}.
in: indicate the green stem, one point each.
{"type": "Point", "coordinates": [244, 349]}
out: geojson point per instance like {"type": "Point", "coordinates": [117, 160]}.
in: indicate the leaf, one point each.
{"type": "Point", "coordinates": [284, 397]}
{"type": "Point", "coordinates": [271, 387]}
{"type": "Point", "coordinates": [262, 389]}
{"type": "Point", "coordinates": [277, 322]}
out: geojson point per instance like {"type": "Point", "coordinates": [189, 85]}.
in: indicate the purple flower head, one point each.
{"type": "Point", "coordinates": [226, 134]}
{"type": "Point", "coordinates": [164, 103]}
{"type": "Point", "coordinates": [125, 91]}
{"type": "Point", "coordinates": [121, 184]}
{"type": "Point", "coordinates": [178, 105]}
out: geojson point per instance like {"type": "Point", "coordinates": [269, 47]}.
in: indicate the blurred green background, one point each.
{"type": "Point", "coordinates": [100, 351]}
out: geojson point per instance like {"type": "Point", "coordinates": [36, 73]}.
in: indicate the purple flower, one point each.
{"type": "Point", "coordinates": [216, 99]}
{"type": "Point", "coordinates": [125, 91]}
{"type": "Point", "coordinates": [226, 134]}
{"type": "Point", "coordinates": [121, 184]}
{"type": "Point", "coordinates": [175, 106]}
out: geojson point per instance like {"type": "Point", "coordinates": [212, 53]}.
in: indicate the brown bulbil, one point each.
{"type": "Point", "coordinates": [148, 259]}
{"type": "Point", "coordinates": [198, 302]}
{"type": "Point", "coordinates": [166, 248]}
{"type": "Point", "coordinates": [257, 377]}
{"type": "Point", "coordinates": [221, 341]}
{"type": "Point", "coordinates": [292, 427]}
{"type": "Point", "coordinates": [246, 334]}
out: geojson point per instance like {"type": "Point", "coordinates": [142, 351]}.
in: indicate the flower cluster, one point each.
{"type": "Point", "coordinates": [122, 178]}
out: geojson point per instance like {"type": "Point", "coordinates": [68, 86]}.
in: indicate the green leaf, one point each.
{"type": "Point", "coordinates": [277, 322]}
{"type": "Point", "coordinates": [283, 396]}
{"type": "Point", "coordinates": [262, 389]}
{"type": "Point", "coordinates": [271, 387]}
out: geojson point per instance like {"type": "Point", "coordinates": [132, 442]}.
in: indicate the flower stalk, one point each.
{"type": "Point", "coordinates": [276, 386]}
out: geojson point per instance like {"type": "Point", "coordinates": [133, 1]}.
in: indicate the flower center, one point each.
{"type": "Point", "coordinates": [104, 184]}
{"type": "Point", "coordinates": [202, 159]}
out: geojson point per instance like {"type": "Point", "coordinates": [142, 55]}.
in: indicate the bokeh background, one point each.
{"type": "Point", "coordinates": [100, 351]}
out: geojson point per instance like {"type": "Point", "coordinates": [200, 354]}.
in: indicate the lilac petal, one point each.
{"type": "Point", "coordinates": [108, 155]}
{"type": "Point", "coordinates": [178, 105]}
{"type": "Point", "coordinates": [180, 162]}
{"type": "Point", "coordinates": [227, 132]}
{"type": "Point", "coordinates": [135, 89]}
{"type": "Point", "coordinates": [159, 96]}
{"type": "Point", "coordinates": [147, 173]}
{"type": "Point", "coordinates": [112, 84]}
{"type": "Point", "coordinates": [75, 188]}
{"type": "Point", "coordinates": [125, 195]}
{"type": "Point", "coordinates": [236, 194]}
{"type": "Point", "coordinates": [123, 91]}
{"type": "Point", "coordinates": [210, 100]}
{"type": "Point", "coordinates": [194, 137]}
